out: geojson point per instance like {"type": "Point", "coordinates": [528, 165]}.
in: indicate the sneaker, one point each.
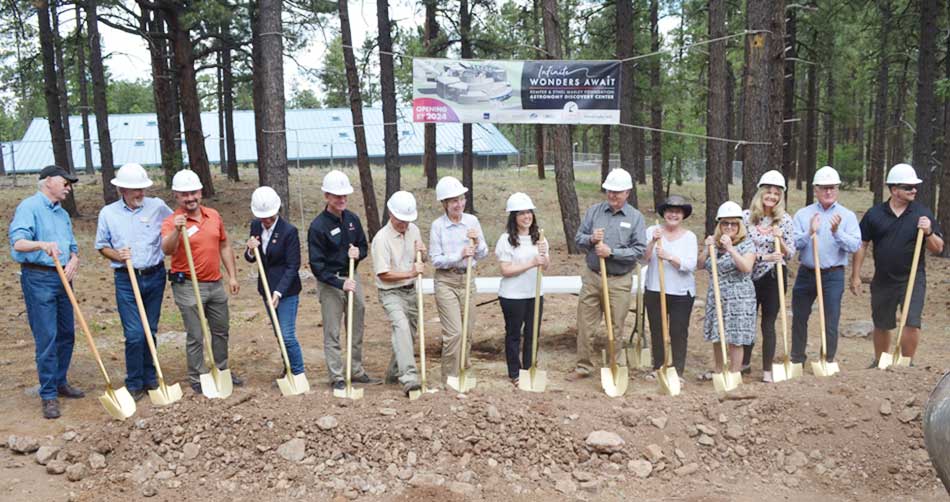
{"type": "Point", "coordinates": [767, 376]}
{"type": "Point", "coordinates": [338, 385]}
{"type": "Point", "coordinates": [746, 370]}
{"type": "Point", "coordinates": [409, 387]}
{"type": "Point", "coordinates": [151, 386]}
{"type": "Point", "coordinates": [51, 408]}
{"type": "Point", "coordinates": [392, 379]}
{"type": "Point", "coordinates": [366, 379]}
{"type": "Point", "coordinates": [196, 387]}
{"type": "Point", "coordinates": [577, 375]}
{"type": "Point", "coordinates": [873, 364]}
{"type": "Point", "coordinates": [70, 392]}
{"type": "Point", "coordinates": [236, 380]}
{"type": "Point", "coordinates": [137, 394]}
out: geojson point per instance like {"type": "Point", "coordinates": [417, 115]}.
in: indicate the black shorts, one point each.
{"type": "Point", "coordinates": [886, 299]}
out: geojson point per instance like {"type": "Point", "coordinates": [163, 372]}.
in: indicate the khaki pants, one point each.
{"type": "Point", "coordinates": [400, 307]}
{"type": "Point", "coordinates": [590, 313]}
{"type": "Point", "coordinates": [333, 313]}
{"type": "Point", "coordinates": [449, 298]}
{"type": "Point", "coordinates": [215, 302]}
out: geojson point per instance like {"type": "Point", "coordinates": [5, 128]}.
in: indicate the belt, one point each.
{"type": "Point", "coordinates": [608, 273]}
{"type": "Point", "coordinates": [457, 271]}
{"type": "Point", "coordinates": [36, 266]}
{"type": "Point", "coordinates": [142, 272]}
{"type": "Point", "coordinates": [828, 269]}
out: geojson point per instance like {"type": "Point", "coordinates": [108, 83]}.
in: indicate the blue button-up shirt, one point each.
{"type": "Point", "coordinates": [447, 240]}
{"type": "Point", "coordinates": [39, 219]}
{"type": "Point", "coordinates": [833, 248]}
{"type": "Point", "coordinates": [139, 229]}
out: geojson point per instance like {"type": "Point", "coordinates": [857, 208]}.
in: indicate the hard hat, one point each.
{"type": "Point", "coordinates": [903, 174]}
{"type": "Point", "coordinates": [773, 178]}
{"type": "Point", "coordinates": [519, 202]}
{"type": "Point", "coordinates": [729, 209]}
{"type": "Point", "coordinates": [131, 175]}
{"type": "Point", "coordinates": [186, 180]}
{"type": "Point", "coordinates": [618, 180]}
{"type": "Point", "coordinates": [337, 183]}
{"type": "Point", "coordinates": [402, 205]}
{"type": "Point", "coordinates": [826, 176]}
{"type": "Point", "coordinates": [265, 202]}
{"type": "Point", "coordinates": [449, 187]}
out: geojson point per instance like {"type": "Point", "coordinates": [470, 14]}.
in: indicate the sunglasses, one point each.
{"type": "Point", "coordinates": [729, 224]}
{"type": "Point", "coordinates": [907, 188]}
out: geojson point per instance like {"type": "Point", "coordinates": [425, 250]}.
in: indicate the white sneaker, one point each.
{"type": "Point", "coordinates": [767, 376]}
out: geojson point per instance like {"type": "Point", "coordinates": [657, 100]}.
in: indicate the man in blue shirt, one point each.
{"type": "Point", "coordinates": [41, 229]}
{"type": "Point", "coordinates": [838, 237]}
{"type": "Point", "coordinates": [130, 229]}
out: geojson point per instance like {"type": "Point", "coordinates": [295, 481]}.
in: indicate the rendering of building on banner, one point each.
{"type": "Point", "coordinates": [319, 137]}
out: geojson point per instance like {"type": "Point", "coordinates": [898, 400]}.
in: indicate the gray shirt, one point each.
{"type": "Point", "coordinates": [624, 233]}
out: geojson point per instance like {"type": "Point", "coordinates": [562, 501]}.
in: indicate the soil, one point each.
{"type": "Point", "coordinates": [853, 436]}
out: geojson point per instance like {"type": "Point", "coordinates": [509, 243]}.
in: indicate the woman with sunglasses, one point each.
{"type": "Point", "coordinates": [735, 255]}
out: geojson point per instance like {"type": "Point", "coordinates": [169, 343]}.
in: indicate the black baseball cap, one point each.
{"type": "Point", "coordinates": [58, 171]}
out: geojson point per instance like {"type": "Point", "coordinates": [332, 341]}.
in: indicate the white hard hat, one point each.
{"type": "Point", "coordinates": [618, 180]}
{"type": "Point", "coordinates": [519, 202]}
{"type": "Point", "coordinates": [826, 176]}
{"type": "Point", "coordinates": [186, 180]}
{"type": "Point", "coordinates": [402, 205]}
{"type": "Point", "coordinates": [337, 183]}
{"type": "Point", "coordinates": [773, 178]}
{"type": "Point", "coordinates": [449, 187]}
{"type": "Point", "coordinates": [903, 174]}
{"type": "Point", "coordinates": [729, 209]}
{"type": "Point", "coordinates": [131, 175]}
{"type": "Point", "coordinates": [265, 202]}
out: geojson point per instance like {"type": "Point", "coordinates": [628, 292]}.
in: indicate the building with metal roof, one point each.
{"type": "Point", "coordinates": [314, 136]}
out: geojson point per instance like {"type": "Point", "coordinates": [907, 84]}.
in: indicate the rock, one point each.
{"type": "Point", "coordinates": [659, 422]}
{"type": "Point", "coordinates": [97, 461]}
{"type": "Point", "coordinates": [45, 454]}
{"type": "Point", "coordinates": [404, 474]}
{"type": "Point", "coordinates": [55, 467]}
{"type": "Point", "coordinates": [908, 415]}
{"type": "Point", "coordinates": [687, 469]}
{"type": "Point", "coordinates": [164, 475]}
{"type": "Point", "coordinates": [742, 451]}
{"type": "Point", "coordinates": [190, 451]}
{"type": "Point", "coordinates": [641, 468]}
{"type": "Point", "coordinates": [692, 431]}
{"type": "Point", "coordinates": [565, 486]}
{"type": "Point", "coordinates": [426, 479]}
{"type": "Point", "coordinates": [604, 442]}
{"type": "Point", "coordinates": [461, 488]}
{"type": "Point", "coordinates": [411, 458]}
{"type": "Point", "coordinates": [679, 454]}
{"type": "Point", "coordinates": [23, 444]}
{"type": "Point", "coordinates": [492, 413]}
{"type": "Point", "coordinates": [149, 490]}
{"type": "Point", "coordinates": [582, 475]}
{"type": "Point", "coordinates": [103, 447]}
{"type": "Point", "coordinates": [885, 408]}
{"type": "Point", "coordinates": [592, 486]}
{"type": "Point", "coordinates": [327, 422]}
{"type": "Point", "coordinates": [706, 440]}
{"type": "Point", "coordinates": [857, 329]}
{"type": "Point", "coordinates": [76, 472]}
{"type": "Point", "coordinates": [293, 450]}
{"type": "Point", "coordinates": [796, 461]}
{"type": "Point", "coordinates": [387, 412]}
{"type": "Point", "coordinates": [705, 429]}
{"type": "Point", "coordinates": [653, 453]}
{"type": "Point", "coordinates": [733, 431]}
{"type": "Point", "coordinates": [791, 481]}
{"type": "Point", "coordinates": [69, 435]}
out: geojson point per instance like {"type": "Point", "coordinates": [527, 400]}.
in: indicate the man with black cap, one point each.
{"type": "Point", "coordinates": [41, 229]}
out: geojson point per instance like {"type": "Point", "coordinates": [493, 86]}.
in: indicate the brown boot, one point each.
{"type": "Point", "coordinates": [51, 408]}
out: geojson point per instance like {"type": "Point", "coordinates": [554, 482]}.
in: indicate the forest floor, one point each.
{"type": "Point", "coordinates": [855, 436]}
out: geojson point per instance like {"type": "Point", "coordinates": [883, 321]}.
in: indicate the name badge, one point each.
{"type": "Point", "coordinates": [192, 231]}
{"type": "Point", "coordinates": [144, 219]}
{"type": "Point", "coordinates": [624, 224]}
{"type": "Point", "coordinates": [335, 231]}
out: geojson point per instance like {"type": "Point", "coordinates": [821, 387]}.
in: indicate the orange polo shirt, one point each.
{"type": "Point", "coordinates": [205, 238]}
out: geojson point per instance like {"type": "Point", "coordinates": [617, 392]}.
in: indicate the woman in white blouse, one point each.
{"type": "Point", "coordinates": [677, 251]}
{"type": "Point", "coordinates": [520, 254]}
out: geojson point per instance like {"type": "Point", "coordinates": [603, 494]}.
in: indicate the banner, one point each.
{"type": "Point", "coordinates": [515, 92]}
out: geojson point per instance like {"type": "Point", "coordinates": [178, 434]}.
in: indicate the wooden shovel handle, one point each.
{"type": "Point", "coordinates": [905, 308]}
{"type": "Point", "coordinates": [268, 298]}
{"type": "Point", "coordinates": [608, 318]}
{"type": "Point", "coordinates": [82, 320]}
{"type": "Point", "coordinates": [144, 317]}
{"type": "Point", "coordinates": [664, 322]}
{"type": "Point", "coordinates": [713, 259]}
{"type": "Point", "coordinates": [468, 295]}
{"type": "Point", "coordinates": [780, 276]}
{"type": "Point", "coordinates": [821, 296]}
{"type": "Point", "coordinates": [420, 324]}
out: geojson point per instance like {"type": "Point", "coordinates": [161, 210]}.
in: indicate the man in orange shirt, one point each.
{"type": "Point", "coordinates": [210, 246]}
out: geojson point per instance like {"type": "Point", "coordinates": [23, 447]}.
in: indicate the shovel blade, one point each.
{"type": "Point", "coordinates": [902, 361]}
{"type": "Point", "coordinates": [638, 358]}
{"type": "Point", "coordinates": [824, 368]}
{"type": "Point", "coordinates": [726, 381]}
{"type": "Point", "coordinates": [461, 383]}
{"type": "Point", "coordinates": [669, 381]}
{"type": "Point", "coordinates": [885, 360]}
{"type": "Point", "coordinates": [216, 384]}
{"type": "Point", "coordinates": [614, 385]}
{"type": "Point", "coordinates": [535, 382]}
{"type": "Point", "coordinates": [118, 403]}
{"type": "Point", "coordinates": [348, 392]}
{"type": "Point", "coordinates": [292, 385]}
{"type": "Point", "coordinates": [165, 394]}
{"type": "Point", "coordinates": [416, 394]}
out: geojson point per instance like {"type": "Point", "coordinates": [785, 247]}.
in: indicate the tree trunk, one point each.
{"type": "Point", "coordinates": [830, 116]}
{"type": "Point", "coordinates": [943, 213]}
{"type": "Point", "coordinates": [430, 159]}
{"type": "Point", "coordinates": [61, 88]}
{"type": "Point", "coordinates": [788, 98]}
{"type": "Point", "coordinates": [388, 86]}
{"type": "Point", "coordinates": [656, 109]}
{"type": "Point", "coordinates": [926, 103]}
{"type": "Point", "coordinates": [563, 161]}
{"type": "Point", "coordinates": [895, 148]}
{"type": "Point", "coordinates": [880, 106]}
{"type": "Point", "coordinates": [757, 113]}
{"type": "Point", "coordinates": [776, 83]}
{"type": "Point", "coordinates": [273, 166]}
{"type": "Point", "coordinates": [222, 154]}
{"type": "Point", "coordinates": [468, 175]}
{"type": "Point", "coordinates": [83, 94]}
{"type": "Point", "coordinates": [717, 188]}
{"type": "Point", "coordinates": [359, 133]}
{"type": "Point", "coordinates": [539, 149]}
{"type": "Point", "coordinates": [811, 128]}
{"type": "Point", "coordinates": [731, 113]}
{"type": "Point", "coordinates": [628, 141]}
{"type": "Point", "coordinates": [109, 193]}
{"type": "Point", "coordinates": [604, 152]}
{"type": "Point", "coordinates": [228, 77]}
{"type": "Point", "coordinates": [256, 86]}
{"type": "Point", "coordinates": [164, 92]}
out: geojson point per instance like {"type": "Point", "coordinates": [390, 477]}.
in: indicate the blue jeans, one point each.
{"type": "Point", "coordinates": [51, 321]}
{"type": "Point", "coordinates": [139, 369]}
{"type": "Point", "coordinates": [803, 297]}
{"type": "Point", "coordinates": [287, 317]}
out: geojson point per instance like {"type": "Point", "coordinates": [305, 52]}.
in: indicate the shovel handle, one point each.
{"type": "Point", "coordinates": [713, 259]}
{"type": "Point", "coordinates": [605, 292]}
{"type": "Point", "coordinates": [420, 325]}
{"type": "Point", "coordinates": [144, 317]}
{"type": "Point", "coordinates": [205, 329]}
{"type": "Point", "coordinates": [664, 322]}
{"type": "Point", "coordinates": [905, 308]}
{"type": "Point", "coordinates": [468, 294]}
{"type": "Point", "coordinates": [780, 276]}
{"type": "Point", "coordinates": [821, 296]}
{"type": "Point", "coordinates": [537, 311]}
{"type": "Point", "coordinates": [270, 310]}
{"type": "Point", "coordinates": [82, 321]}
{"type": "Point", "coordinates": [349, 330]}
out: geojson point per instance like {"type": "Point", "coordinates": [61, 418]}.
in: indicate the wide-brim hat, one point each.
{"type": "Point", "coordinates": [676, 201]}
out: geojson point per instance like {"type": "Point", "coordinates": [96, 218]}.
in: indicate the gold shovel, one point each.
{"type": "Point", "coordinates": [726, 380]}
{"type": "Point", "coordinates": [421, 329]}
{"type": "Point", "coordinates": [667, 377]}
{"type": "Point", "coordinates": [164, 394]}
{"type": "Point", "coordinates": [638, 356]}
{"type": "Point", "coordinates": [533, 379]}
{"type": "Point", "coordinates": [822, 367]}
{"type": "Point", "coordinates": [289, 384]}
{"type": "Point", "coordinates": [613, 378]}
{"type": "Point", "coordinates": [349, 392]}
{"type": "Point", "coordinates": [463, 383]}
{"type": "Point", "coordinates": [895, 357]}
{"type": "Point", "coordinates": [117, 402]}
{"type": "Point", "coordinates": [217, 383]}
{"type": "Point", "coordinates": [786, 370]}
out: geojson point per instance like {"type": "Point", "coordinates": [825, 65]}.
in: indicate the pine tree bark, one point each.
{"type": "Point", "coordinates": [830, 116]}
{"type": "Point", "coordinates": [757, 112]}
{"type": "Point", "coordinates": [164, 92]}
{"type": "Point", "coordinates": [604, 152]}
{"type": "Point", "coordinates": [430, 159]}
{"type": "Point", "coordinates": [811, 131]}
{"type": "Point", "coordinates": [539, 133]}
{"type": "Point", "coordinates": [97, 72]}
{"type": "Point", "coordinates": [83, 94]}
{"type": "Point", "coordinates": [656, 109]}
{"type": "Point", "coordinates": [788, 98]}
{"type": "Point", "coordinates": [731, 112]}
{"type": "Point", "coordinates": [228, 83]}
{"type": "Point", "coordinates": [388, 87]}
{"type": "Point", "coordinates": [359, 133]}
{"type": "Point", "coordinates": [222, 154]}
{"type": "Point", "coordinates": [561, 144]}
{"type": "Point", "coordinates": [61, 88]}
{"type": "Point", "coordinates": [895, 136]}
{"type": "Point", "coordinates": [273, 166]}
{"type": "Point", "coordinates": [880, 105]}
{"type": "Point", "coordinates": [776, 78]}
{"type": "Point", "coordinates": [468, 167]}
{"type": "Point", "coordinates": [256, 89]}
{"type": "Point", "coordinates": [717, 188]}
{"type": "Point", "coordinates": [926, 102]}
{"type": "Point", "coordinates": [943, 210]}
{"type": "Point", "coordinates": [628, 140]}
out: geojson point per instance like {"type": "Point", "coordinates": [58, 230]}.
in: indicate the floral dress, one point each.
{"type": "Point", "coordinates": [738, 300]}
{"type": "Point", "coordinates": [765, 243]}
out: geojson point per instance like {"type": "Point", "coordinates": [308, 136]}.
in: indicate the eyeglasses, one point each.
{"type": "Point", "coordinates": [907, 188]}
{"type": "Point", "coordinates": [827, 188]}
{"type": "Point", "coordinates": [729, 224]}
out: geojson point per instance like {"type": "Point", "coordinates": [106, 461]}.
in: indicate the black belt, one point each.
{"type": "Point", "coordinates": [407, 286]}
{"type": "Point", "coordinates": [35, 266]}
{"type": "Point", "coordinates": [457, 271]}
{"type": "Point", "coordinates": [829, 269]}
{"type": "Point", "coordinates": [142, 272]}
